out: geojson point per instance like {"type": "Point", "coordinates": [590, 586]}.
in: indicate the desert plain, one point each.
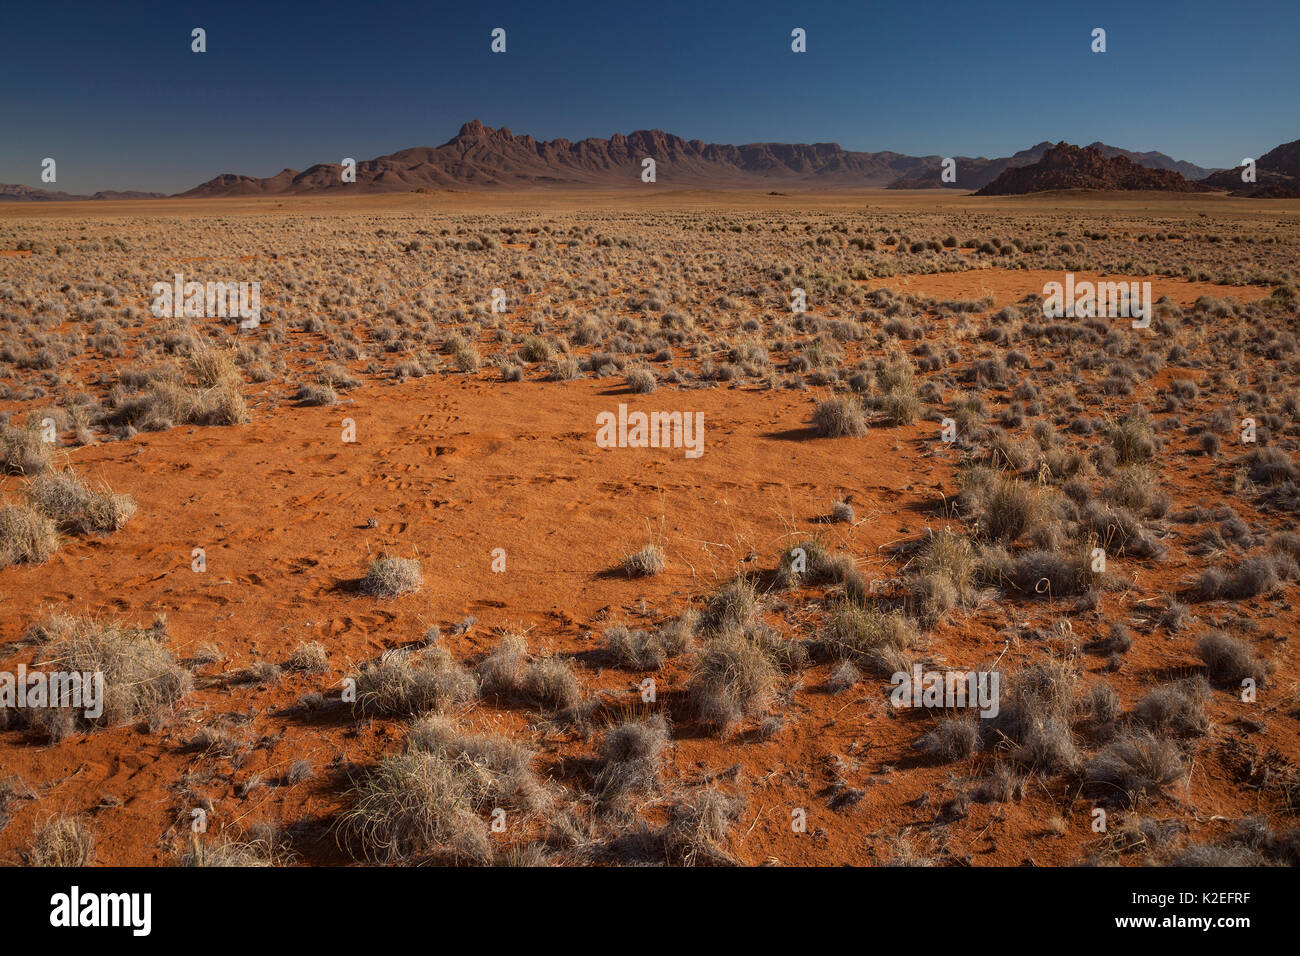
{"type": "Point", "coordinates": [365, 588]}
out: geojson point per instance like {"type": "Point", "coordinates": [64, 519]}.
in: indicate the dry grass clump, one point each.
{"type": "Point", "coordinates": [629, 762]}
{"type": "Point", "coordinates": [1133, 767]}
{"type": "Point", "coordinates": [1033, 720]}
{"type": "Point", "coordinates": [866, 635]}
{"type": "Point", "coordinates": [222, 404]}
{"type": "Point", "coordinates": [213, 367]}
{"type": "Point", "coordinates": [309, 657]}
{"type": "Point", "coordinates": [467, 358]}
{"type": "Point", "coordinates": [565, 368]}
{"type": "Point", "coordinates": [1270, 466]}
{"type": "Point", "coordinates": [735, 605]}
{"type": "Point", "coordinates": [641, 381]}
{"type": "Point", "coordinates": [499, 769]}
{"type": "Point", "coordinates": [551, 682]}
{"type": "Point", "coordinates": [1230, 661]}
{"type": "Point", "coordinates": [500, 672]}
{"type": "Point", "coordinates": [837, 417]}
{"type": "Point", "coordinates": [412, 682]}
{"type": "Point", "coordinates": [1254, 576]}
{"type": "Point", "coordinates": [646, 562]}
{"type": "Point", "coordinates": [1132, 439]}
{"type": "Point", "coordinates": [811, 562]}
{"type": "Point", "coordinates": [1047, 574]}
{"type": "Point", "coordinates": [951, 739]}
{"type": "Point", "coordinates": [23, 451]}
{"type": "Point", "coordinates": [945, 575]}
{"type": "Point", "coordinates": [317, 393]}
{"type": "Point", "coordinates": [698, 827]}
{"type": "Point", "coordinates": [26, 536]}
{"type": "Point", "coordinates": [258, 850]}
{"type": "Point", "coordinates": [1176, 709]}
{"type": "Point", "coordinates": [387, 577]}
{"type": "Point", "coordinates": [166, 404]}
{"type": "Point", "coordinates": [898, 402]}
{"type": "Point", "coordinates": [430, 799]}
{"type": "Point", "coordinates": [734, 678]}
{"type": "Point", "coordinates": [77, 509]}
{"type": "Point", "coordinates": [141, 678]}
{"type": "Point", "coordinates": [413, 804]}
{"type": "Point", "coordinates": [641, 650]}
{"type": "Point", "coordinates": [63, 841]}
{"type": "Point", "coordinates": [1014, 509]}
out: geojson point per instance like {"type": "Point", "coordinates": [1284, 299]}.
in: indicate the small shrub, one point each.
{"type": "Point", "coordinates": [63, 841]}
{"type": "Point", "coordinates": [23, 451]}
{"type": "Point", "coordinates": [733, 678]}
{"type": "Point", "coordinates": [387, 577]}
{"type": "Point", "coordinates": [647, 562]}
{"type": "Point", "coordinates": [837, 417]}
{"type": "Point", "coordinates": [26, 536]}
{"type": "Point", "coordinates": [1133, 767]}
{"type": "Point", "coordinates": [1229, 661]}
{"type": "Point", "coordinates": [77, 509]}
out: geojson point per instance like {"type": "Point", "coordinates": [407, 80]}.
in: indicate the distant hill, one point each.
{"type": "Point", "coordinates": [1072, 167]}
{"type": "Point", "coordinates": [1277, 175]}
{"type": "Point", "coordinates": [30, 194]}
{"type": "Point", "coordinates": [979, 172]}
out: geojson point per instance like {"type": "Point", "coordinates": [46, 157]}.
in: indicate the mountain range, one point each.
{"type": "Point", "coordinates": [32, 194]}
{"type": "Point", "coordinates": [479, 156]}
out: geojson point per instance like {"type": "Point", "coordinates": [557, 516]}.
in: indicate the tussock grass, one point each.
{"type": "Point", "coordinates": [63, 841]}
{"type": "Point", "coordinates": [734, 678]}
{"type": "Point", "coordinates": [77, 509]}
{"type": "Point", "coordinates": [406, 682]}
{"type": "Point", "coordinates": [257, 850]}
{"type": "Point", "coordinates": [431, 798]}
{"type": "Point", "coordinates": [26, 536]}
{"type": "Point", "coordinates": [838, 417]}
{"type": "Point", "coordinates": [141, 678]}
{"type": "Point", "coordinates": [23, 451]}
{"type": "Point", "coordinates": [629, 762]}
{"type": "Point", "coordinates": [866, 635]}
{"type": "Point", "coordinates": [388, 577]}
{"type": "Point", "coordinates": [1134, 767]}
{"type": "Point", "coordinates": [641, 650]}
{"type": "Point", "coordinates": [698, 827]}
{"type": "Point", "coordinates": [1229, 661]}
{"type": "Point", "coordinates": [646, 562]}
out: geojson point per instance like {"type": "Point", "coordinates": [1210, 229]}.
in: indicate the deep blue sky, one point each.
{"type": "Point", "coordinates": [113, 93]}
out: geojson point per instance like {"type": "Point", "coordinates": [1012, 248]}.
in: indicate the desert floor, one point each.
{"type": "Point", "coordinates": [466, 447]}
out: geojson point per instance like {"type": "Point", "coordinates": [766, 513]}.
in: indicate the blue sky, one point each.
{"type": "Point", "coordinates": [113, 93]}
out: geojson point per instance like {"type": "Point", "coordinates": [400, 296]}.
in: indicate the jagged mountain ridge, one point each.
{"type": "Point", "coordinates": [480, 156]}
